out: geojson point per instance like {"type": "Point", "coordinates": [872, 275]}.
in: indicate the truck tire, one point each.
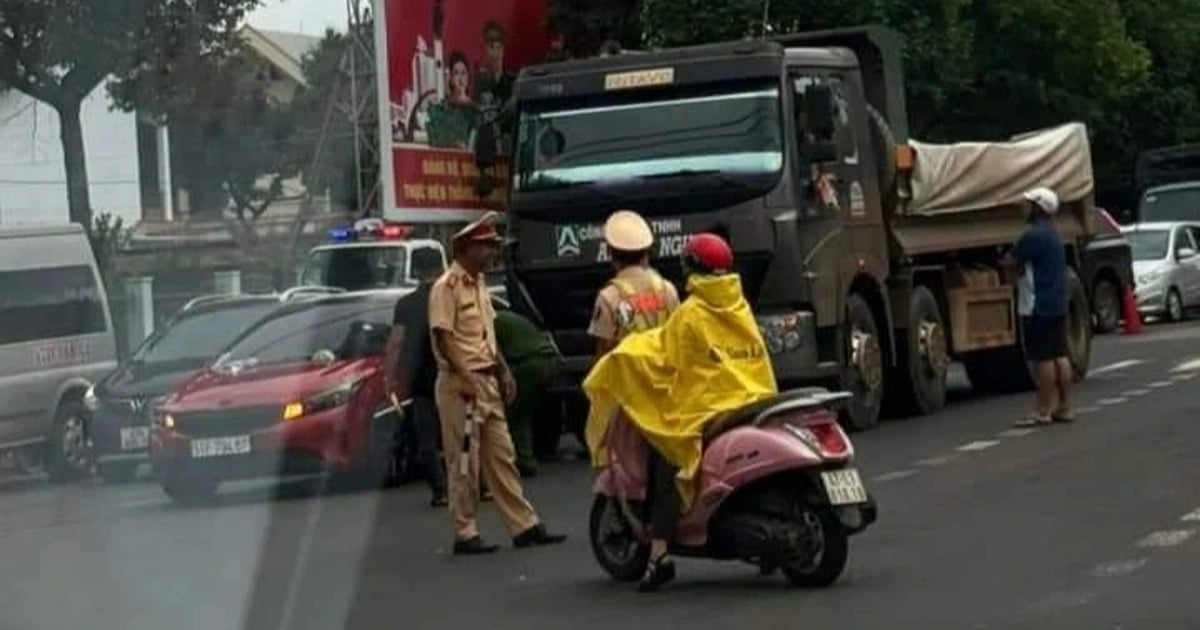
{"type": "Point", "coordinates": [1079, 327]}
{"type": "Point", "coordinates": [1106, 305]}
{"type": "Point", "coordinates": [918, 386]}
{"type": "Point", "coordinates": [862, 366]}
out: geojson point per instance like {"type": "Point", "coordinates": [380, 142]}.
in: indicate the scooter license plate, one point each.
{"type": "Point", "coordinates": [844, 487]}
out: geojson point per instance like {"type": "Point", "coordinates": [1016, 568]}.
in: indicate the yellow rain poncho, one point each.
{"type": "Point", "coordinates": [709, 357]}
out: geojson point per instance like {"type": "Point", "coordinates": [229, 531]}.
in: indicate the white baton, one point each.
{"type": "Point", "coordinates": [464, 460]}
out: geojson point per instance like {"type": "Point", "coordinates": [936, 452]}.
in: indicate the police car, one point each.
{"type": "Point", "coordinates": [372, 254]}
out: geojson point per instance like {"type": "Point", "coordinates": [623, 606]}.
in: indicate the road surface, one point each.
{"type": "Point", "coordinates": [1094, 525]}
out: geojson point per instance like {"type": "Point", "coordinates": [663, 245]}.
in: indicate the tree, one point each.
{"type": "Point", "coordinates": [586, 24]}
{"type": "Point", "coordinates": [59, 51]}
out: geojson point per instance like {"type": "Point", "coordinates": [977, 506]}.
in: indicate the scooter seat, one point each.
{"type": "Point", "coordinates": [729, 420]}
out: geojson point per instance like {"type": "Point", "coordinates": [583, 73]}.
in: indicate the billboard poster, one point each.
{"type": "Point", "coordinates": [446, 67]}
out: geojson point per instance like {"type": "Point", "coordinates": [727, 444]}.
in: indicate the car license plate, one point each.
{"type": "Point", "coordinates": [221, 447]}
{"type": "Point", "coordinates": [844, 487]}
{"type": "Point", "coordinates": [134, 438]}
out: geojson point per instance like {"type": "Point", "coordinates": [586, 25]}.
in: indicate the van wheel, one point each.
{"type": "Point", "coordinates": [69, 455]}
{"type": "Point", "coordinates": [862, 372]}
{"type": "Point", "coordinates": [924, 358]}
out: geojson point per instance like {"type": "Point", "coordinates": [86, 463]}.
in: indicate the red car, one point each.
{"type": "Point", "coordinates": [299, 392]}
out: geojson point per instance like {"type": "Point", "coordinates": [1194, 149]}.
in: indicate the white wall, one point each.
{"type": "Point", "coordinates": [32, 177]}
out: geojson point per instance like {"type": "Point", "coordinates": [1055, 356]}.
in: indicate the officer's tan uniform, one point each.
{"type": "Point", "coordinates": [636, 299]}
{"type": "Point", "coordinates": [460, 304]}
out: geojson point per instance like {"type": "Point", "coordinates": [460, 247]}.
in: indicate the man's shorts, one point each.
{"type": "Point", "coordinates": [1045, 337]}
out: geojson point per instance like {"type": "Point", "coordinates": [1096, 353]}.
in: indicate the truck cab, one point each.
{"type": "Point", "coordinates": [372, 254]}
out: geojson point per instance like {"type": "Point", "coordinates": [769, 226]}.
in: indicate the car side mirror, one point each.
{"type": "Point", "coordinates": [1184, 253]}
{"type": "Point", "coordinates": [818, 111]}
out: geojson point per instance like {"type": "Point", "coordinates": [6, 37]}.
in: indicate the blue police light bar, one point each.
{"type": "Point", "coordinates": [342, 234]}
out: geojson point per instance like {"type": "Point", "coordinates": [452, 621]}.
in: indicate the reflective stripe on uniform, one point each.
{"type": "Point", "coordinates": [647, 308]}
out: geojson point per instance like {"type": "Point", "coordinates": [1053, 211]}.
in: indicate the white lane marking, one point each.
{"type": "Point", "coordinates": [977, 445]}
{"type": "Point", "coordinates": [1118, 568]}
{"type": "Point", "coordinates": [1134, 393]}
{"type": "Point", "coordinates": [1016, 433]}
{"type": "Point", "coordinates": [1187, 366]}
{"type": "Point", "coordinates": [935, 461]}
{"type": "Point", "coordinates": [1166, 538]}
{"type": "Point", "coordinates": [1082, 411]}
{"type": "Point", "coordinates": [1191, 517]}
{"type": "Point", "coordinates": [141, 503]}
{"type": "Point", "coordinates": [1116, 367]}
{"type": "Point", "coordinates": [894, 475]}
{"type": "Point", "coordinates": [1161, 384]}
{"type": "Point", "coordinates": [1112, 401]}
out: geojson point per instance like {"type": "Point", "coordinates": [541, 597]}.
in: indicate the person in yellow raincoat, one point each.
{"type": "Point", "coordinates": [709, 357]}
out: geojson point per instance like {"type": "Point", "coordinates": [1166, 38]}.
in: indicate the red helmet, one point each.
{"type": "Point", "coordinates": [708, 253]}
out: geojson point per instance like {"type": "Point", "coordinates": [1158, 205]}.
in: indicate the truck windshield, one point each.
{"type": "Point", "coordinates": [356, 268]}
{"type": "Point", "coordinates": [1180, 204]}
{"type": "Point", "coordinates": [1148, 244]}
{"type": "Point", "coordinates": [731, 132]}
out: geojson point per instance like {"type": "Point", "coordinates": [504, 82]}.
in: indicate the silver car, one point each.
{"type": "Point", "coordinates": [1166, 267]}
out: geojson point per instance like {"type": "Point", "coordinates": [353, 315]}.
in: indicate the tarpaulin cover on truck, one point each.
{"type": "Point", "coordinates": [955, 178]}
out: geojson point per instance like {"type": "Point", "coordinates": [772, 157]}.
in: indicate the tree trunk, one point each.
{"type": "Point", "coordinates": [75, 160]}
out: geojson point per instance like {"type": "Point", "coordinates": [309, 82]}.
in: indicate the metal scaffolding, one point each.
{"type": "Point", "coordinates": [360, 104]}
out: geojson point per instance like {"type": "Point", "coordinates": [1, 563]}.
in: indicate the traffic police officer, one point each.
{"type": "Point", "coordinates": [472, 386]}
{"type": "Point", "coordinates": [637, 298]}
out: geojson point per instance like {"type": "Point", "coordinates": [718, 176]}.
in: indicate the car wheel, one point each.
{"type": "Point", "coordinates": [69, 457]}
{"type": "Point", "coordinates": [1174, 306]}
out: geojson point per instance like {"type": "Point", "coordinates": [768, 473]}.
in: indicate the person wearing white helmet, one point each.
{"type": "Point", "coordinates": [637, 298]}
{"type": "Point", "coordinates": [1042, 303]}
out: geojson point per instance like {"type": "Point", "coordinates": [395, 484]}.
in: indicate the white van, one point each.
{"type": "Point", "coordinates": [56, 340]}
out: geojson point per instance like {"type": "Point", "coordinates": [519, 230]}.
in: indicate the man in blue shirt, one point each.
{"type": "Point", "coordinates": [1041, 256]}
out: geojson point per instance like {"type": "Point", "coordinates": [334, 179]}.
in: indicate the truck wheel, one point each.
{"type": "Point", "coordinates": [862, 372]}
{"type": "Point", "coordinates": [920, 386]}
{"type": "Point", "coordinates": [1106, 304]}
{"type": "Point", "coordinates": [1079, 328]}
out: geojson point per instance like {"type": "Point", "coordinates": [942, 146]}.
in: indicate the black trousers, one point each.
{"type": "Point", "coordinates": [428, 429]}
{"type": "Point", "coordinates": [663, 497]}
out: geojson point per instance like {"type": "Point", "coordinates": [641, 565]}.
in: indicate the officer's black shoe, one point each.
{"type": "Point", "coordinates": [473, 547]}
{"type": "Point", "coordinates": [537, 536]}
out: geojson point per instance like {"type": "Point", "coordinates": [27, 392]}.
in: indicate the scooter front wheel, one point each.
{"type": "Point", "coordinates": [614, 543]}
{"type": "Point", "coordinates": [825, 566]}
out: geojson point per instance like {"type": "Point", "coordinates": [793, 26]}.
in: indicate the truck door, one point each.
{"type": "Point", "coordinates": [842, 183]}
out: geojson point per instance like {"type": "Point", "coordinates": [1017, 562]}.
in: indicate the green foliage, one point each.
{"type": "Point", "coordinates": [107, 234]}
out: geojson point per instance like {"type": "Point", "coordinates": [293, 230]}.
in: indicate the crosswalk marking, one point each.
{"type": "Point", "coordinates": [1193, 516]}
{"type": "Point", "coordinates": [1133, 393]}
{"type": "Point", "coordinates": [894, 475]}
{"type": "Point", "coordinates": [1187, 366]}
{"type": "Point", "coordinates": [1166, 538]}
{"type": "Point", "coordinates": [935, 461]}
{"type": "Point", "coordinates": [1118, 568]}
{"type": "Point", "coordinates": [1161, 384]}
{"type": "Point", "coordinates": [1112, 401]}
{"type": "Point", "coordinates": [1016, 433]}
{"type": "Point", "coordinates": [1115, 367]}
{"type": "Point", "coordinates": [977, 445]}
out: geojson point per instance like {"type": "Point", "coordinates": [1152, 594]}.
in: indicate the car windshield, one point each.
{"type": "Point", "coordinates": [357, 268]}
{"type": "Point", "coordinates": [1182, 204]}
{"type": "Point", "coordinates": [1148, 244]}
{"type": "Point", "coordinates": [728, 131]}
{"type": "Point", "coordinates": [293, 335]}
{"type": "Point", "coordinates": [202, 335]}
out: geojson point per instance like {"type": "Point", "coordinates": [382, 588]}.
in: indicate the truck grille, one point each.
{"type": "Point", "coordinates": [224, 423]}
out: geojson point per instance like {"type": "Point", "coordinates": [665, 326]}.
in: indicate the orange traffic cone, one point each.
{"type": "Point", "coordinates": [1133, 319]}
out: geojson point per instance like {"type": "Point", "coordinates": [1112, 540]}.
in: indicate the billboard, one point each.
{"type": "Point", "coordinates": [446, 66]}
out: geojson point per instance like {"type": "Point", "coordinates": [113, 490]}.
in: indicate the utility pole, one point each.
{"type": "Point", "coordinates": [363, 109]}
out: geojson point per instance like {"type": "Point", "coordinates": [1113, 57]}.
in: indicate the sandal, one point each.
{"type": "Point", "coordinates": [1033, 420]}
{"type": "Point", "coordinates": [1063, 416]}
{"type": "Point", "coordinates": [660, 571]}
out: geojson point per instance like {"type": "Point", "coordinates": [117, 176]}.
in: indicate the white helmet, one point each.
{"type": "Point", "coordinates": [1043, 198]}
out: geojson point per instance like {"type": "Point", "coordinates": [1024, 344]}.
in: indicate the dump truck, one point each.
{"type": "Point", "coordinates": [872, 260]}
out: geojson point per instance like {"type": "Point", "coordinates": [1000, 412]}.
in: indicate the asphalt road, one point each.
{"type": "Point", "coordinates": [1095, 525]}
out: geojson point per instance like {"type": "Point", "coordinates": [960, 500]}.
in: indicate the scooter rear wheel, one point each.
{"type": "Point", "coordinates": [614, 544]}
{"type": "Point", "coordinates": [832, 555]}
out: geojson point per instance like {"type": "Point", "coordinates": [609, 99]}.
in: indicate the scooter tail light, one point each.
{"type": "Point", "coordinates": [820, 430]}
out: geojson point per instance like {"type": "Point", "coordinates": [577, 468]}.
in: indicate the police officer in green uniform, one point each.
{"type": "Point", "coordinates": [534, 359]}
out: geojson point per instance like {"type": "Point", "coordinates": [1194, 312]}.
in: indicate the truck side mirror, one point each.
{"type": "Point", "coordinates": [818, 111]}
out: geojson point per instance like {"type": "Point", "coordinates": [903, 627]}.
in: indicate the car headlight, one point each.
{"type": "Point", "coordinates": [164, 420]}
{"type": "Point", "coordinates": [329, 399]}
{"type": "Point", "coordinates": [1150, 277]}
{"type": "Point", "coordinates": [90, 401]}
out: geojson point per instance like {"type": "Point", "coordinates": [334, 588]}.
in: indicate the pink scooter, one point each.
{"type": "Point", "coordinates": [776, 489]}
